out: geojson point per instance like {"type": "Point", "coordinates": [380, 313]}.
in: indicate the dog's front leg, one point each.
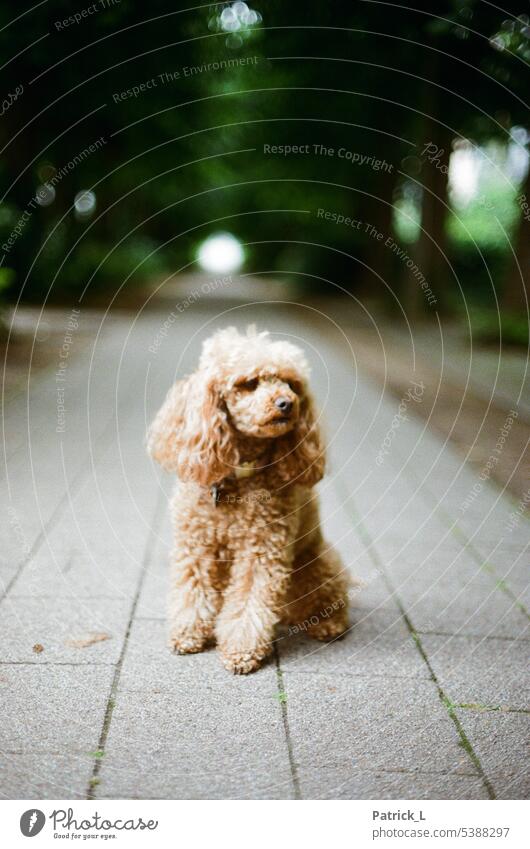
{"type": "Point", "coordinates": [257, 590]}
{"type": "Point", "coordinates": [194, 601]}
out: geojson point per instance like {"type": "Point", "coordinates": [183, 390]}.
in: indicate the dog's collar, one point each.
{"type": "Point", "coordinates": [245, 470]}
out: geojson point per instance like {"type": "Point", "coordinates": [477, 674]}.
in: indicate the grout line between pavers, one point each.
{"type": "Point", "coordinates": [355, 676]}
{"type": "Point", "coordinates": [107, 718]}
{"type": "Point", "coordinates": [79, 598]}
{"type": "Point", "coordinates": [80, 753]}
{"type": "Point", "coordinates": [366, 539]}
{"type": "Point", "coordinates": [58, 663]}
{"type": "Point", "coordinates": [397, 771]}
{"type": "Point", "coordinates": [462, 635]}
{"type": "Point", "coordinates": [478, 708]}
{"type": "Point", "coordinates": [282, 699]}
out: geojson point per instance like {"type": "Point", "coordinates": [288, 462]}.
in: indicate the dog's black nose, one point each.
{"type": "Point", "coordinates": [284, 404]}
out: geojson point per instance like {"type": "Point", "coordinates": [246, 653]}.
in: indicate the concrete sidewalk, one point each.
{"type": "Point", "coordinates": [424, 698]}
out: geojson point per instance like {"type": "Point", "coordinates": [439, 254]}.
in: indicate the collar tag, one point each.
{"type": "Point", "coordinates": [245, 470]}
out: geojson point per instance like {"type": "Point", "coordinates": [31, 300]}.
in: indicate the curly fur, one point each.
{"type": "Point", "coordinates": [256, 557]}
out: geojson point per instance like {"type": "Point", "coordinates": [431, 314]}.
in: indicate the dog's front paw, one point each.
{"type": "Point", "coordinates": [241, 662]}
{"type": "Point", "coordinates": [189, 639]}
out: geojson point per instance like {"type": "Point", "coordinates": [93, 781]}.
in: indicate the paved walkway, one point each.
{"type": "Point", "coordinates": [425, 696]}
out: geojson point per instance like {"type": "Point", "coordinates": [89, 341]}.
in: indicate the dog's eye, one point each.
{"type": "Point", "coordinates": [296, 386]}
{"type": "Point", "coordinates": [248, 385]}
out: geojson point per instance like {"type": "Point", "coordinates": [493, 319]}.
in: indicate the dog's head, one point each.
{"type": "Point", "coordinates": [247, 387]}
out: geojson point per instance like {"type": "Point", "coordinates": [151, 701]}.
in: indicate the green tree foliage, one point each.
{"type": "Point", "coordinates": [191, 116]}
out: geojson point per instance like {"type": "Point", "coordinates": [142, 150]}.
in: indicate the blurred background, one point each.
{"type": "Point", "coordinates": [361, 147]}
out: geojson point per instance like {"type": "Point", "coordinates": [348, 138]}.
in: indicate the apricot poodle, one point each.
{"type": "Point", "coordinates": [242, 436]}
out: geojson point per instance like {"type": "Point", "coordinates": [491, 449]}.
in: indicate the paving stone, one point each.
{"type": "Point", "coordinates": [488, 374]}
{"type": "Point", "coordinates": [183, 727]}
{"type": "Point", "coordinates": [103, 439]}
{"type": "Point", "coordinates": [91, 552]}
{"type": "Point", "coordinates": [97, 546]}
{"type": "Point", "coordinates": [14, 552]}
{"type": "Point", "coordinates": [104, 570]}
{"type": "Point", "coordinates": [346, 538]}
{"type": "Point", "coordinates": [354, 724]}
{"type": "Point", "coordinates": [153, 600]}
{"type": "Point", "coordinates": [50, 776]}
{"type": "Point", "coordinates": [435, 478]}
{"type": "Point", "coordinates": [487, 672]}
{"type": "Point", "coordinates": [486, 526]}
{"type": "Point", "coordinates": [500, 740]}
{"type": "Point", "coordinates": [439, 583]}
{"type": "Point", "coordinates": [57, 709]}
{"type": "Point", "coordinates": [44, 462]}
{"type": "Point", "coordinates": [457, 598]}
{"type": "Point", "coordinates": [56, 623]}
{"type": "Point", "coordinates": [379, 644]}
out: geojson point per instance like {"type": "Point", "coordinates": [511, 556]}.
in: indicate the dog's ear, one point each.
{"type": "Point", "coordinates": [209, 453]}
{"type": "Point", "coordinates": [301, 453]}
{"type": "Point", "coordinates": [164, 436]}
{"type": "Point", "coordinates": [191, 434]}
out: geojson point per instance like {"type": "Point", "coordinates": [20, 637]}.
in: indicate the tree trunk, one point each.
{"type": "Point", "coordinates": [516, 284]}
{"type": "Point", "coordinates": [431, 248]}
{"type": "Point", "coordinates": [378, 212]}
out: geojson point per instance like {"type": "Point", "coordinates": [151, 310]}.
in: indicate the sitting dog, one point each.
{"type": "Point", "coordinates": [248, 552]}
